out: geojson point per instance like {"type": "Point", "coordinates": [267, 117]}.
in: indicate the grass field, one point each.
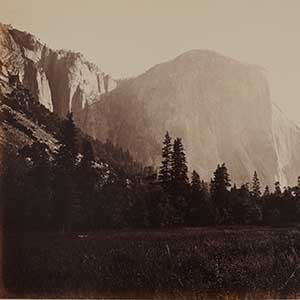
{"type": "Point", "coordinates": [185, 263]}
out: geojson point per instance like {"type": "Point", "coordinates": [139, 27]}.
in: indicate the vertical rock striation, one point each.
{"type": "Point", "coordinates": [219, 106]}
{"type": "Point", "coordinates": [61, 80]}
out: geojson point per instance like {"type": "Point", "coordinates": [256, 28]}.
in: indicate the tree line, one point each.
{"type": "Point", "coordinates": [218, 202]}
{"type": "Point", "coordinates": [75, 189]}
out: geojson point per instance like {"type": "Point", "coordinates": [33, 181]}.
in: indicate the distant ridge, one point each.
{"type": "Point", "coordinates": [220, 107]}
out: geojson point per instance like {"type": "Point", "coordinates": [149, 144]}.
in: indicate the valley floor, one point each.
{"type": "Point", "coordinates": [224, 262]}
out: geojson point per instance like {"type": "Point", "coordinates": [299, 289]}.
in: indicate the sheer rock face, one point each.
{"type": "Point", "coordinates": [286, 137]}
{"type": "Point", "coordinates": [61, 80]}
{"type": "Point", "coordinates": [220, 107]}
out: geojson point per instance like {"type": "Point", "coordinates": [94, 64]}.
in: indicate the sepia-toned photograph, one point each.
{"type": "Point", "coordinates": [150, 149]}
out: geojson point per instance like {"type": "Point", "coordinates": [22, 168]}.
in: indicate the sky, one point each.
{"type": "Point", "coordinates": [126, 37]}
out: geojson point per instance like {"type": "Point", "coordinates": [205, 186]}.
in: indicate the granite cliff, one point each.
{"type": "Point", "coordinates": [220, 107]}
{"type": "Point", "coordinates": [61, 80]}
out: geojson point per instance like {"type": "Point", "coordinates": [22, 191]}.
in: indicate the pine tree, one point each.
{"type": "Point", "coordinates": [277, 188]}
{"type": "Point", "coordinates": [297, 188]}
{"type": "Point", "coordinates": [195, 182]}
{"type": "Point", "coordinates": [221, 180]}
{"type": "Point", "coordinates": [16, 189]}
{"type": "Point", "coordinates": [66, 201]}
{"type": "Point", "coordinates": [234, 188]}
{"type": "Point", "coordinates": [243, 208]}
{"type": "Point", "coordinates": [179, 183]}
{"type": "Point", "coordinates": [219, 192]}
{"type": "Point", "coordinates": [267, 191]}
{"type": "Point", "coordinates": [256, 186]}
{"type": "Point", "coordinates": [40, 178]}
{"type": "Point", "coordinates": [69, 140]}
{"type": "Point", "coordinates": [297, 192]}
{"type": "Point", "coordinates": [87, 186]}
{"type": "Point", "coordinates": [165, 169]}
{"type": "Point", "coordinates": [179, 167]}
{"type": "Point", "coordinates": [200, 210]}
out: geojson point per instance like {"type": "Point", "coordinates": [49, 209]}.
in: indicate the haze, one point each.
{"type": "Point", "coordinates": [126, 37]}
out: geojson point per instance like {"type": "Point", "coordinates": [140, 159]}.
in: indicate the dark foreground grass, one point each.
{"type": "Point", "coordinates": [224, 261]}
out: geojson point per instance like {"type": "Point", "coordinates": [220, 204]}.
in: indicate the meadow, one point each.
{"type": "Point", "coordinates": [155, 264]}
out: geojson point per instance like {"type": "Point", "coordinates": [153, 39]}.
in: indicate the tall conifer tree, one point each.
{"type": "Point", "coordinates": [256, 186]}
{"type": "Point", "coordinates": [277, 191]}
{"type": "Point", "coordinates": [165, 169]}
{"type": "Point", "coordinates": [66, 202]}
{"type": "Point", "coordinates": [87, 185]}
{"type": "Point", "coordinates": [179, 183]}
{"type": "Point", "coordinates": [179, 167]}
{"type": "Point", "coordinates": [267, 191]}
{"type": "Point", "coordinates": [195, 182]}
{"type": "Point", "coordinates": [219, 192]}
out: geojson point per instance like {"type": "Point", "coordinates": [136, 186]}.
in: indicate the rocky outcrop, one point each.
{"type": "Point", "coordinates": [286, 137]}
{"type": "Point", "coordinates": [61, 80]}
{"type": "Point", "coordinates": [220, 107]}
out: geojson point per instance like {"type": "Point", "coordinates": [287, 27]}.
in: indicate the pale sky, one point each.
{"type": "Point", "coordinates": [126, 37]}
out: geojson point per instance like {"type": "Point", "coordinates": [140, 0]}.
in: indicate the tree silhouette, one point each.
{"type": "Point", "coordinates": [267, 191]}
{"type": "Point", "coordinates": [165, 169]}
{"type": "Point", "coordinates": [66, 200]}
{"type": "Point", "coordinates": [87, 186]}
{"type": "Point", "coordinates": [219, 192]}
{"type": "Point", "coordinates": [179, 182]}
{"type": "Point", "coordinates": [256, 193]}
{"type": "Point", "coordinates": [195, 182]}
{"type": "Point", "coordinates": [200, 212]}
{"type": "Point", "coordinates": [277, 188]}
{"type": "Point", "coordinates": [179, 167]}
{"type": "Point", "coordinates": [40, 175]}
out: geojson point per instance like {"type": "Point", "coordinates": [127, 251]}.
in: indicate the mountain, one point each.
{"type": "Point", "coordinates": [39, 86]}
{"type": "Point", "coordinates": [26, 124]}
{"type": "Point", "coordinates": [286, 137]}
{"type": "Point", "coordinates": [18, 128]}
{"type": "Point", "coordinates": [61, 80]}
{"type": "Point", "coordinates": [219, 106]}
